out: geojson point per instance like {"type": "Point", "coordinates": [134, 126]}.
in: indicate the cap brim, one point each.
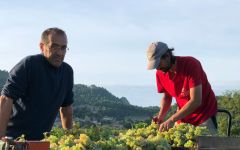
{"type": "Point", "coordinates": [153, 64]}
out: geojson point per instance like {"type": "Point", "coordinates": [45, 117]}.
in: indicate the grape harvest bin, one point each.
{"type": "Point", "coordinates": [203, 143]}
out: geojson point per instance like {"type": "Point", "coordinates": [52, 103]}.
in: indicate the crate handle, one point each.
{"type": "Point", "coordinates": [229, 120]}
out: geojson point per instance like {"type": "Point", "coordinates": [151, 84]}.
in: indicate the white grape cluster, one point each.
{"type": "Point", "coordinates": [69, 142]}
{"type": "Point", "coordinates": [145, 138]}
{"type": "Point", "coordinates": [184, 135]}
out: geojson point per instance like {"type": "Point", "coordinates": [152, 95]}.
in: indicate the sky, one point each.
{"type": "Point", "coordinates": [108, 39]}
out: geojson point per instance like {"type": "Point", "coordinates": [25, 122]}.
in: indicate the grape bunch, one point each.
{"type": "Point", "coordinates": [184, 135]}
{"type": "Point", "coordinates": [137, 138]}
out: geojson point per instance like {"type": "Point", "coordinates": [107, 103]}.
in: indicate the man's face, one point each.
{"type": "Point", "coordinates": [54, 51]}
{"type": "Point", "coordinates": [165, 63]}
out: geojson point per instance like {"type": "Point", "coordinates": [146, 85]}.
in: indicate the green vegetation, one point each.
{"type": "Point", "coordinates": [96, 104]}
{"type": "Point", "coordinates": [231, 102]}
{"type": "Point", "coordinates": [3, 77]}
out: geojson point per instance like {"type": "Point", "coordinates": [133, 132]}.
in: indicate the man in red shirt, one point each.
{"type": "Point", "coordinates": [184, 79]}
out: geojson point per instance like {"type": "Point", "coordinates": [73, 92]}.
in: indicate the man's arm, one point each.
{"type": "Point", "coordinates": [194, 102]}
{"type": "Point", "coordinates": [165, 104]}
{"type": "Point", "coordinates": [66, 114]}
{"type": "Point", "coordinates": [6, 105]}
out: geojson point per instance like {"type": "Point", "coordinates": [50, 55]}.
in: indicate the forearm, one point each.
{"type": "Point", "coordinates": [165, 104]}
{"type": "Point", "coordinates": [6, 104]}
{"type": "Point", "coordinates": [194, 102]}
{"type": "Point", "coordinates": [66, 114]}
{"type": "Point", "coordinates": [189, 108]}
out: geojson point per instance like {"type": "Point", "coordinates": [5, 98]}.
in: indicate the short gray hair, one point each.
{"type": "Point", "coordinates": [49, 31]}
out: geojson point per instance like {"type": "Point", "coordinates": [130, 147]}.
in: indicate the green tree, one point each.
{"type": "Point", "coordinates": [230, 101]}
{"type": "Point", "coordinates": [3, 77]}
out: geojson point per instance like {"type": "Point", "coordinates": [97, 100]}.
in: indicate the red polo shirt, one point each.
{"type": "Point", "coordinates": [189, 74]}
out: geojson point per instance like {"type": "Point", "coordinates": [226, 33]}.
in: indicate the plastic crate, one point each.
{"type": "Point", "coordinates": [28, 145]}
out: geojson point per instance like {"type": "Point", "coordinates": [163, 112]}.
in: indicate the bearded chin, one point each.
{"type": "Point", "coordinates": [166, 69]}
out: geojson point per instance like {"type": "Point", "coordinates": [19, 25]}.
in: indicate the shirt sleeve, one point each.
{"type": "Point", "coordinates": [16, 84]}
{"type": "Point", "coordinates": [160, 88]}
{"type": "Point", "coordinates": [195, 72]}
{"type": "Point", "coordinates": [69, 98]}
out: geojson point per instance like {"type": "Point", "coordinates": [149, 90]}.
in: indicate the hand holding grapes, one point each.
{"type": "Point", "coordinates": [165, 126]}
{"type": "Point", "coordinates": [157, 120]}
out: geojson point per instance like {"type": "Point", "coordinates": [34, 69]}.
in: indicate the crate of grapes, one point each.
{"type": "Point", "coordinates": [8, 144]}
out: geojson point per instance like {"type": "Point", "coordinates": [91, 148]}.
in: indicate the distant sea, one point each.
{"type": "Point", "coordinates": [147, 95]}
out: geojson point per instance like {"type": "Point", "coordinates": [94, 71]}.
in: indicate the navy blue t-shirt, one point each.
{"type": "Point", "coordinates": [38, 91]}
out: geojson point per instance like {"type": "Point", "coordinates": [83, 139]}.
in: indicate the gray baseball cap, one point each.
{"type": "Point", "coordinates": [154, 53]}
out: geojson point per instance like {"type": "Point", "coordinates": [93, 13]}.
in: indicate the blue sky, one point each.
{"type": "Point", "coordinates": [108, 39]}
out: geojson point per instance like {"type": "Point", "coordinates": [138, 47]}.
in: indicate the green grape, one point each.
{"type": "Point", "coordinates": [121, 147]}
{"type": "Point", "coordinates": [189, 135]}
{"type": "Point", "coordinates": [21, 138]}
{"type": "Point", "coordinates": [135, 147]}
{"type": "Point", "coordinates": [84, 139]}
{"type": "Point", "coordinates": [53, 146]}
{"type": "Point", "coordinates": [53, 139]}
{"type": "Point", "coordinates": [65, 148]}
{"type": "Point", "coordinates": [189, 144]}
{"type": "Point", "coordinates": [75, 148]}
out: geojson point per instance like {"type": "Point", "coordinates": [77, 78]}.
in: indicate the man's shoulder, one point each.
{"type": "Point", "coordinates": [67, 66]}
{"type": "Point", "coordinates": [26, 61]}
{"type": "Point", "coordinates": [32, 57]}
{"type": "Point", "coordinates": [188, 63]}
{"type": "Point", "coordinates": [187, 59]}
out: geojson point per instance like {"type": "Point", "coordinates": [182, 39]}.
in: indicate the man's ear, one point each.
{"type": "Point", "coordinates": [41, 45]}
{"type": "Point", "coordinates": [168, 54]}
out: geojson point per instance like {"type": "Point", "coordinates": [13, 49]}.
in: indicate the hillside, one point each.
{"type": "Point", "coordinates": [99, 105]}
{"type": "Point", "coordinates": [3, 77]}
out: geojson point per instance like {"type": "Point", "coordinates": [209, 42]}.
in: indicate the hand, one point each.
{"type": "Point", "coordinates": [157, 120]}
{"type": "Point", "coordinates": [165, 126]}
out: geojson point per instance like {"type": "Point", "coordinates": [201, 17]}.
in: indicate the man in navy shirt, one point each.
{"type": "Point", "coordinates": [37, 88]}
